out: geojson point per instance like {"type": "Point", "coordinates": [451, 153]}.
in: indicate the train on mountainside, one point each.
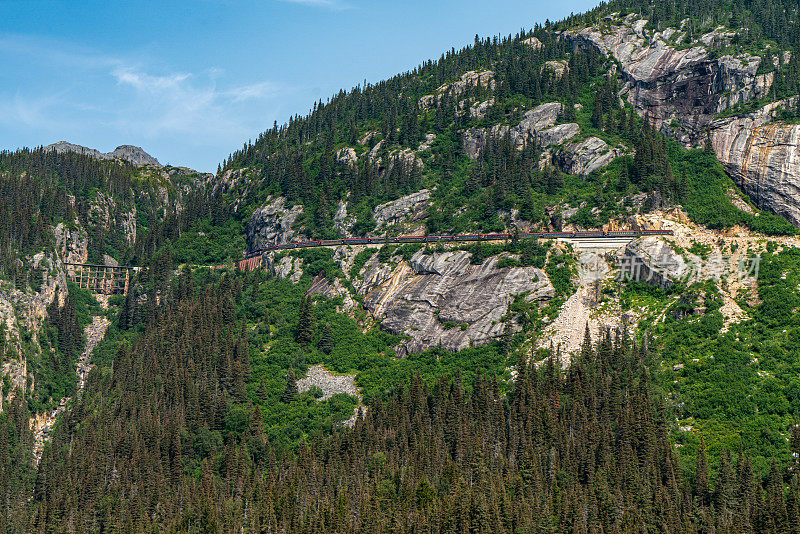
{"type": "Point", "coordinates": [247, 261]}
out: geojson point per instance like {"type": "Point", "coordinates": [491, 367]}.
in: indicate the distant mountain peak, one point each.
{"type": "Point", "coordinates": [130, 153]}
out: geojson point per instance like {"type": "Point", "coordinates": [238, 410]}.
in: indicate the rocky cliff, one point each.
{"type": "Point", "coordinates": [21, 316]}
{"type": "Point", "coordinates": [441, 299]}
{"type": "Point", "coordinates": [681, 87]}
{"type": "Point", "coordinates": [763, 158]}
{"type": "Point", "coordinates": [678, 86]}
{"type": "Point", "coordinates": [561, 142]}
{"type": "Point", "coordinates": [272, 224]}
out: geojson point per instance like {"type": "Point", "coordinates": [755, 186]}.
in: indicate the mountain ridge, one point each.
{"type": "Point", "coordinates": [133, 154]}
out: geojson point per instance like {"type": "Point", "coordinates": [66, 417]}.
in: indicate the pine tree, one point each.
{"type": "Point", "coordinates": [305, 324]}
{"type": "Point", "coordinates": [326, 339]}
{"type": "Point", "coordinates": [701, 476]}
{"type": "Point", "coordinates": [290, 391]}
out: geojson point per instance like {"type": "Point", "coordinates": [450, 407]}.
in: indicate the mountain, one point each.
{"type": "Point", "coordinates": [485, 386]}
{"type": "Point", "coordinates": [132, 154]}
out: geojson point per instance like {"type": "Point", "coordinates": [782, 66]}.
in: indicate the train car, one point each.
{"type": "Point", "coordinates": [469, 237]}
{"type": "Point", "coordinates": [453, 239]}
{"type": "Point", "coordinates": [656, 232]}
{"type": "Point", "coordinates": [497, 237]}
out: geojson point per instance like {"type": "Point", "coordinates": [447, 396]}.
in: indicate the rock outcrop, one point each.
{"type": "Point", "coordinates": [287, 267]}
{"type": "Point", "coordinates": [557, 134]}
{"type": "Point", "coordinates": [329, 383]}
{"type": "Point", "coordinates": [132, 154]}
{"type": "Point", "coordinates": [408, 208]}
{"type": "Point", "coordinates": [681, 87]}
{"type": "Point", "coordinates": [443, 300]}
{"type": "Point", "coordinates": [473, 78]}
{"type": "Point", "coordinates": [347, 156]}
{"type": "Point", "coordinates": [478, 110]}
{"type": "Point", "coordinates": [533, 42]}
{"type": "Point", "coordinates": [272, 224]}
{"type": "Point", "coordinates": [72, 243]}
{"type": "Point", "coordinates": [27, 310]}
{"type": "Point", "coordinates": [558, 67]}
{"type": "Point", "coordinates": [321, 286]}
{"type": "Point", "coordinates": [533, 122]}
{"type": "Point", "coordinates": [763, 158]}
{"type": "Point", "coordinates": [586, 156]}
{"type": "Point", "coordinates": [651, 259]}
{"type": "Point", "coordinates": [332, 384]}
{"type": "Point", "coordinates": [342, 222]}
{"type": "Point", "coordinates": [104, 211]}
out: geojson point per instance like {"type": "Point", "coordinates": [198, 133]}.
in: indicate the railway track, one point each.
{"type": "Point", "coordinates": [252, 260]}
{"type": "Point", "coordinates": [101, 278]}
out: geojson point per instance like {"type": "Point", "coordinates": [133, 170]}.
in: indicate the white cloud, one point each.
{"type": "Point", "coordinates": [146, 82]}
{"type": "Point", "coordinates": [183, 103]}
{"type": "Point", "coordinates": [252, 92]}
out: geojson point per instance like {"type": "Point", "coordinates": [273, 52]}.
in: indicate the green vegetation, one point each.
{"type": "Point", "coordinates": [739, 389]}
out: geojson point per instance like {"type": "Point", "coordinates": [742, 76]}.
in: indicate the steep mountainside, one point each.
{"type": "Point", "coordinates": [607, 385]}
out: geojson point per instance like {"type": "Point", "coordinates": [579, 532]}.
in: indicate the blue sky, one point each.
{"type": "Point", "coordinates": [191, 81]}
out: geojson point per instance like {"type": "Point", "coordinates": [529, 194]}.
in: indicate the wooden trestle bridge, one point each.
{"type": "Point", "coordinates": [103, 279]}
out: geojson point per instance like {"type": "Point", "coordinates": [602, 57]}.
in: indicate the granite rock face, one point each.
{"type": "Point", "coordinates": [321, 286]}
{"type": "Point", "coordinates": [478, 110]}
{"type": "Point", "coordinates": [441, 299]}
{"type": "Point", "coordinates": [347, 156]}
{"type": "Point", "coordinates": [342, 222]}
{"type": "Point", "coordinates": [407, 208]}
{"type": "Point", "coordinates": [557, 134]}
{"type": "Point", "coordinates": [288, 267]}
{"type": "Point", "coordinates": [650, 259]}
{"type": "Point", "coordinates": [679, 89]}
{"type": "Point", "coordinates": [533, 42]}
{"type": "Point", "coordinates": [586, 156]}
{"type": "Point", "coordinates": [72, 243]}
{"type": "Point", "coordinates": [134, 154]}
{"type": "Point", "coordinates": [763, 158]}
{"type": "Point", "coordinates": [533, 122]}
{"type": "Point", "coordinates": [557, 67]}
{"type": "Point", "coordinates": [473, 78]}
{"type": "Point", "coordinates": [271, 224]}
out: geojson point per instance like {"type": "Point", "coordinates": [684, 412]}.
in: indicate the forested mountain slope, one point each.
{"type": "Point", "coordinates": [513, 386]}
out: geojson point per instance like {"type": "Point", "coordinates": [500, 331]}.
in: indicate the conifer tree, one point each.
{"type": "Point", "coordinates": [305, 325]}
{"type": "Point", "coordinates": [326, 339]}
{"type": "Point", "coordinates": [290, 391]}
